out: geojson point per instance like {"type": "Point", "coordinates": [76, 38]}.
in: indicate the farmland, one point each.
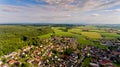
{"type": "Point", "coordinates": [83, 37]}
{"type": "Point", "coordinates": [12, 35]}
{"type": "Point", "coordinates": [64, 39]}
{"type": "Point", "coordinates": [91, 35]}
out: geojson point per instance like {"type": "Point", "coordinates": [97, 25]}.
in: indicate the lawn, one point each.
{"type": "Point", "coordinates": [93, 35]}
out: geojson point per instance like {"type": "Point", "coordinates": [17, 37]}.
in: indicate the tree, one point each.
{"type": "Point", "coordinates": [68, 51]}
{"type": "Point", "coordinates": [25, 64]}
{"type": "Point", "coordinates": [24, 38]}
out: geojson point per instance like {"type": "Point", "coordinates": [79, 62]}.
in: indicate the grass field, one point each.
{"type": "Point", "coordinates": [99, 31]}
{"type": "Point", "coordinates": [75, 30]}
{"type": "Point", "coordinates": [86, 27]}
{"type": "Point", "coordinates": [80, 38]}
{"type": "Point", "coordinates": [110, 35]}
{"type": "Point", "coordinates": [45, 36]}
{"type": "Point", "coordinates": [91, 35]}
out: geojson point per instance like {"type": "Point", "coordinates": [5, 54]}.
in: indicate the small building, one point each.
{"type": "Point", "coordinates": [12, 61]}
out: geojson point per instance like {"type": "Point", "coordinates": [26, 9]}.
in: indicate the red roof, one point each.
{"type": "Point", "coordinates": [12, 61]}
{"type": "Point", "coordinates": [105, 62]}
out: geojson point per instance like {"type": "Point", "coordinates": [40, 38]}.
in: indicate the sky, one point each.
{"type": "Point", "coordinates": [60, 11]}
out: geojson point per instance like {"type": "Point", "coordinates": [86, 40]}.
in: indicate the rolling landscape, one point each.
{"type": "Point", "coordinates": [59, 33]}
{"type": "Point", "coordinates": [59, 45]}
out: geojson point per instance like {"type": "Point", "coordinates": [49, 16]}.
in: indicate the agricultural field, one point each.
{"type": "Point", "coordinates": [110, 35]}
{"type": "Point", "coordinates": [91, 35]}
{"type": "Point", "coordinates": [75, 30]}
{"type": "Point", "coordinates": [83, 37]}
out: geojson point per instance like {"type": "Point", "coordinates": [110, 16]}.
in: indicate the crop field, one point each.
{"type": "Point", "coordinates": [99, 31]}
{"type": "Point", "coordinates": [80, 38]}
{"type": "Point", "coordinates": [75, 30]}
{"type": "Point", "coordinates": [88, 37]}
{"type": "Point", "coordinates": [110, 35]}
{"type": "Point", "coordinates": [91, 35]}
{"type": "Point", "coordinates": [86, 27]}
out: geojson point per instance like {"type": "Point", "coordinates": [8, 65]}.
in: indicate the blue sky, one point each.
{"type": "Point", "coordinates": [60, 11]}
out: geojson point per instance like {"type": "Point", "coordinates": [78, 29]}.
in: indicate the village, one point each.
{"type": "Point", "coordinates": [63, 52]}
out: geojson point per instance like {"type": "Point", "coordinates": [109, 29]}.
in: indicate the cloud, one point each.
{"type": "Point", "coordinates": [117, 10]}
{"type": "Point", "coordinates": [11, 8]}
{"type": "Point", "coordinates": [111, 11]}
{"type": "Point", "coordinates": [95, 15]}
{"type": "Point", "coordinates": [81, 4]}
{"type": "Point", "coordinates": [61, 11]}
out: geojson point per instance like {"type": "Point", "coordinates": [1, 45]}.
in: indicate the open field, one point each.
{"type": "Point", "coordinates": [91, 35]}
{"type": "Point", "coordinates": [110, 35]}
{"type": "Point", "coordinates": [81, 35]}
{"type": "Point", "coordinates": [75, 30]}
{"type": "Point", "coordinates": [80, 38]}
{"type": "Point", "coordinates": [99, 31]}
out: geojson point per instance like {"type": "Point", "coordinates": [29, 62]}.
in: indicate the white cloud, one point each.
{"type": "Point", "coordinates": [95, 15]}
{"type": "Point", "coordinates": [61, 11]}
{"type": "Point", "coordinates": [82, 4]}
{"type": "Point", "coordinates": [117, 10]}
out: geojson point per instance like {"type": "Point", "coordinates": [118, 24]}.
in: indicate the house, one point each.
{"type": "Point", "coordinates": [94, 65]}
{"type": "Point", "coordinates": [105, 62]}
{"type": "Point", "coordinates": [29, 61]}
{"type": "Point", "coordinates": [74, 55]}
{"type": "Point", "coordinates": [1, 62]}
{"type": "Point", "coordinates": [109, 43]}
{"type": "Point", "coordinates": [5, 65]}
{"type": "Point", "coordinates": [12, 61]}
{"type": "Point", "coordinates": [49, 54]}
{"type": "Point", "coordinates": [35, 62]}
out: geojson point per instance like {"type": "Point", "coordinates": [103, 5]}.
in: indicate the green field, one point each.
{"type": "Point", "coordinates": [16, 37]}
{"type": "Point", "coordinates": [91, 35]}
{"type": "Point", "coordinates": [80, 38]}
{"type": "Point", "coordinates": [45, 36]}
{"type": "Point", "coordinates": [110, 35]}
{"type": "Point", "coordinates": [84, 38]}
{"type": "Point", "coordinates": [99, 31]}
{"type": "Point", "coordinates": [75, 30]}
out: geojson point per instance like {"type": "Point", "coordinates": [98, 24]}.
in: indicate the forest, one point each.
{"type": "Point", "coordinates": [16, 37]}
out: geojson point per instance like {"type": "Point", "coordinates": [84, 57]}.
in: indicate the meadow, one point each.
{"type": "Point", "coordinates": [82, 39]}
{"type": "Point", "coordinates": [91, 35]}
